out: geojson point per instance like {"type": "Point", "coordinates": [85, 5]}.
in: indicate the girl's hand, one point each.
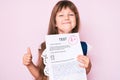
{"type": "Point", "coordinates": [27, 58]}
{"type": "Point", "coordinates": [84, 62]}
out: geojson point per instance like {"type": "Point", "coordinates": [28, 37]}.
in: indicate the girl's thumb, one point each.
{"type": "Point", "coordinates": [29, 50]}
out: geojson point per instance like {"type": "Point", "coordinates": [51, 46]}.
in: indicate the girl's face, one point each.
{"type": "Point", "coordinates": [65, 20]}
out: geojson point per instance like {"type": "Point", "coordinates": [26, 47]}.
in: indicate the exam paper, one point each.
{"type": "Point", "coordinates": [60, 57]}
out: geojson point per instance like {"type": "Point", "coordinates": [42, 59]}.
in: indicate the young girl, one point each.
{"type": "Point", "coordinates": [64, 19]}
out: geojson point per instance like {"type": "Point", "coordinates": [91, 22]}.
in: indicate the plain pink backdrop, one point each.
{"type": "Point", "coordinates": [24, 23]}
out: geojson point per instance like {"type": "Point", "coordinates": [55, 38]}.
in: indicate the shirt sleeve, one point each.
{"type": "Point", "coordinates": [85, 47]}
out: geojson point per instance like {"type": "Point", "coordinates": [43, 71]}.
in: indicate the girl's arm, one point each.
{"type": "Point", "coordinates": [27, 61]}
{"type": "Point", "coordinates": [34, 71]}
{"type": "Point", "coordinates": [88, 68]}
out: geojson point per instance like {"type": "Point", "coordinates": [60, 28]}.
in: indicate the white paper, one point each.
{"type": "Point", "coordinates": [60, 57]}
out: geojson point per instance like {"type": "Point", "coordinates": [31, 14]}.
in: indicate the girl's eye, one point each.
{"type": "Point", "coordinates": [71, 14]}
{"type": "Point", "coordinates": [61, 15]}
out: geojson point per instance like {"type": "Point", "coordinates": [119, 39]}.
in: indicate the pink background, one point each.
{"type": "Point", "coordinates": [24, 23]}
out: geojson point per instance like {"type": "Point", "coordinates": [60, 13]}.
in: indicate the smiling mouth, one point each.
{"type": "Point", "coordinates": [66, 23]}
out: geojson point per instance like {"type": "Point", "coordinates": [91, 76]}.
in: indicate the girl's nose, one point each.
{"type": "Point", "coordinates": [66, 16]}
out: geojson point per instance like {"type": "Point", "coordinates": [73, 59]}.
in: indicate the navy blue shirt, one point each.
{"type": "Point", "coordinates": [84, 47]}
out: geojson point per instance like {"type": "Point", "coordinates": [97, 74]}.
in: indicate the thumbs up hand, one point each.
{"type": "Point", "coordinates": [27, 58]}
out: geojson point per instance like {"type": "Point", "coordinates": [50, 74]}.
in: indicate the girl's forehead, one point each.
{"type": "Point", "coordinates": [65, 9]}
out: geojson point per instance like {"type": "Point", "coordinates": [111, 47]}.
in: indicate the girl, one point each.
{"type": "Point", "coordinates": [64, 19]}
